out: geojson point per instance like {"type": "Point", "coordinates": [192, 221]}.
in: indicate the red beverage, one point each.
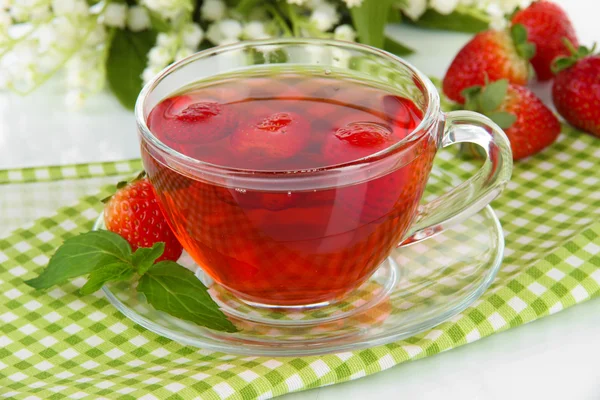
{"type": "Point", "coordinates": [288, 246]}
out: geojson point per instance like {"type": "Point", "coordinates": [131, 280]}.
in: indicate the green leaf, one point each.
{"type": "Point", "coordinates": [81, 255]}
{"type": "Point", "coordinates": [144, 257]}
{"type": "Point", "coordinates": [562, 63]}
{"type": "Point", "coordinates": [527, 50]}
{"type": "Point", "coordinates": [175, 290]}
{"type": "Point", "coordinates": [125, 63]}
{"type": "Point", "coordinates": [456, 21]}
{"type": "Point", "coordinates": [493, 95]}
{"type": "Point", "coordinates": [245, 7]}
{"type": "Point", "coordinates": [518, 33]}
{"type": "Point", "coordinates": [504, 119]}
{"type": "Point", "coordinates": [472, 95]}
{"type": "Point", "coordinates": [395, 47]}
{"type": "Point", "coordinates": [369, 20]}
{"type": "Point", "coordinates": [107, 273]}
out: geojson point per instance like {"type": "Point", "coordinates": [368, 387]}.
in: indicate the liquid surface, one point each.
{"type": "Point", "coordinates": [293, 247]}
{"type": "Point", "coordinates": [286, 122]}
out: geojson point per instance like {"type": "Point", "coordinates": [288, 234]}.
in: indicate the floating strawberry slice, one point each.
{"type": "Point", "coordinates": [357, 140]}
{"type": "Point", "coordinates": [277, 136]}
{"type": "Point", "coordinates": [185, 120]}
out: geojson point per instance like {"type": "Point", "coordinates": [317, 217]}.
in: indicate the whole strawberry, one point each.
{"type": "Point", "coordinates": [495, 54]}
{"type": "Point", "coordinates": [576, 90]}
{"type": "Point", "coordinates": [547, 24]}
{"type": "Point", "coordinates": [133, 213]}
{"type": "Point", "coordinates": [528, 123]}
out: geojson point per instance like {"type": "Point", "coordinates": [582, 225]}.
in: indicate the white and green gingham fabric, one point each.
{"type": "Point", "coordinates": [57, 345]}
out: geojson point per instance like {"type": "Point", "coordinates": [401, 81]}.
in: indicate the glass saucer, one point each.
{"type": "Point", "coordinates": [416, 288]}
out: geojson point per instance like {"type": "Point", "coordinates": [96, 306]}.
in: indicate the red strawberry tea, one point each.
{"type": "Point", "coordinates": [288, 247]}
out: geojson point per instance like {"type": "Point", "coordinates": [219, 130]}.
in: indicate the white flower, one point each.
{"type": "Point", "coordinates": [169, 9]}
{"type": "Point", "coordinates": [61, 32]}
{"type": "Point", "coordinates": [255, 30]}
{"type": "Point", "coordinates": [19, 13]}
{"type": "Point", "coordinates": [353, 3]}
{"type": "Point", "coordinates": [444, 7]}
{"type": "Point", "coordinates": [508, 6]}
{"type": "Point", "coordinates": [63, 7]}
{"type": "Point", "coordinates": [192, 35]}
{"type": "Point", "coordinates": [296, 2]}
{"type": "Point", "coordinates": [138, 19]}
{"type": "Point", "coordinates": [167, 40]}
{"type": "Point", "coordinates": [115, 15]}
{"type": "Point", "coordinates": [159, 56]}
{"type": "Point", "coordinates": [97, 36]}
{"type": "Point", "coordinates": [183, 53]}
{"type": "Point", "coordinates": [415, 8]}
{"type": "Point", "coordinates": [81, 8]}
{"type": "Point", "coordinates": [40, 13]}
{"type": "Point", "coordinates": [224, 32]}
{"type": "Point", "coordinates": [324, 17]}
{"type": "Point", "coordinates": [344, 32]}
{"type": "Point", "coordinates": [149, 73]}
{"type": "Point", "coordinates": [498, 23]}
{"type": "Point", "coordinates": [213, 10]}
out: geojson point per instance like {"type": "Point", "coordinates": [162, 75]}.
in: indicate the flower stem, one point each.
{"type": "Point", "coordinates": [279, 18]}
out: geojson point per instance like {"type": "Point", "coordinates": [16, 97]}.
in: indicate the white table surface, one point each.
{"type": "Point", "coordinates": [553, 358]}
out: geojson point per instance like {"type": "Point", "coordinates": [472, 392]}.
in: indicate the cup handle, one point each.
{"type": "Point", "coordinates": [477, 192]}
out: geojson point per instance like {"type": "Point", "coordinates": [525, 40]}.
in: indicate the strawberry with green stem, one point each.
{"type": "Point", "coordinates": [547, 25]}
{"type": "Point", "coordinates": [576, 89]}
{"type": "Point", "coordinates": [528, 123]}
{"type": "Point", "coordinates": [134, 213]}
{"type": "Point", "coordinates": [495, 54]}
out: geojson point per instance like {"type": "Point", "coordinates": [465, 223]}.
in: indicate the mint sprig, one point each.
{"type": "Point", "coordinates": [106, 257]}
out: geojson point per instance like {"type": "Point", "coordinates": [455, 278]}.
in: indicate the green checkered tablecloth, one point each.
{"type": "Point", "coordinates": [58, 345]}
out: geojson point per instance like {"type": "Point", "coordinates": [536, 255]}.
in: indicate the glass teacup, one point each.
{"type": "Point", "coordinates": [302, 237]}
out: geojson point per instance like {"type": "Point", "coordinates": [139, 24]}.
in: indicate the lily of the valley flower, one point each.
{"type": "Point", "coordinates": [138, 19]}
{"type": "Point", "coordinates": [225, 31]}
{"type": "Point", "coordinates": [213, 10]}
{"type": "Point", "coordinates": [324, 17]}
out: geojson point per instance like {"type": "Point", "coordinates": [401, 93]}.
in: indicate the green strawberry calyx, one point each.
{"type": "Point", "coordinates": [579, 53]}
{"type": "Point", "coordinates": [122, 184]}
{"type": "Point", "coordinates": [525, 48]}
{"type": "Point", "coordinates": [488, 100]}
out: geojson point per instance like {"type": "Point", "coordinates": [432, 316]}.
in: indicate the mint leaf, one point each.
{"type": "Point", "coordinates": [369, 20]}
{"type": "Point", "coordinates": [175, 290]}
{"type": "Point", "coordinates": [81, 255]}
{"type": "Point", "coordinates": [144, 257]}
{"type": "Point", "coordinates": [108, 273]}
{"type": "Point", "coordinates": [125, 63]}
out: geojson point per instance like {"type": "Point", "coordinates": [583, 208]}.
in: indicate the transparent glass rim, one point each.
{"type": "Point", "coordinates": [430, 116]}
